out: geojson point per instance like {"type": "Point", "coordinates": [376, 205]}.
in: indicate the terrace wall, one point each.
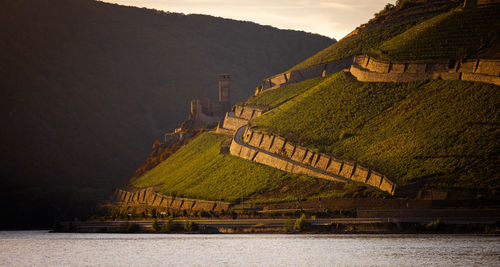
{"type": "Point", "coordinates": [369, 69]}
{"type": "Point", "coordinates": [305, 74]}
{"type": "Point", "coordinates": [247, 113]}
{"type": "Point", "coordinates": [149, 198]}
{"type": "Point", "coordinates": [279, 153]}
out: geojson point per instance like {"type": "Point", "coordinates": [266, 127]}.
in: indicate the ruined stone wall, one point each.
{"type": "Point", "coordinates": [279, 153]}
{"type": "Point", "coordinates": [149, 198]}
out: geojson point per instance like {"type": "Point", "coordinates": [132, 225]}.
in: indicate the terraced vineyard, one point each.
{"type": "Point", "coordinates": [200, 170]}
{"type": "Point", "coordinates": [357, 44]}
{"type": "Point", "coordinates": [442, 132]}
{"type": "Point", "coordinates": [452, 35]}
{"type": "Point", "coordinates": [424, 135]}
{"type": "Point", "coordinates": [273, 98]}
{"type": "Point", "coordinates": [383, 27]}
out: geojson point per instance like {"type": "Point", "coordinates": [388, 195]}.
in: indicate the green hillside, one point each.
{"type": "Point", "coordinates": [455, 34]}
{"type": "Point", "coordinates": [388, 23]}
{"type": "Point", "coordinates": [444, 133]}
{"type": "Point", "coordinates": [357, 44]}
{"type": "Point", "coordinates": [423, 135]}
{"type": "Point", "coordinates": [275, 97]}
{"type": "Point", "coordinates": [441, 31]}
{"type": "Point", "coordinates": [200, 170]}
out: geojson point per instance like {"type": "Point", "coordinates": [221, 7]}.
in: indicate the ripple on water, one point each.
{"type": "Point", "coordinates": [41, 248]}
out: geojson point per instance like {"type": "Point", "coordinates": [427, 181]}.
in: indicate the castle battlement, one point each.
{"type": "Point", "coordinates": [207, 113]}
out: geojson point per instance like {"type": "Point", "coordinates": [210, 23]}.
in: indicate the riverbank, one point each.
{"type": "Point", "coordinates": [279, 226]}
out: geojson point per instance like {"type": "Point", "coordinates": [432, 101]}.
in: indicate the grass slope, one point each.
{"type": "Point", "coordinates": [357, 44]}
{"type": "Point", "coordinates": [455, 34]}
{"type": "Point", "coordinates": [385, 25]}
{"type": "Point", "coordinates": [275, 97]}
{"type": "Point", "coordinates": [444, 133]}
{"type": "Point", "coordinates": [199, 170]}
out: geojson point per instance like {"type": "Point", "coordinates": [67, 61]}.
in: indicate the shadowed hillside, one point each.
{"type": "Point", "coordinates": [88, 86]}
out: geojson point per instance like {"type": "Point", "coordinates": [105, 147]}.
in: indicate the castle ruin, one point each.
{"type": "Point", "coordinates": [206, 113]}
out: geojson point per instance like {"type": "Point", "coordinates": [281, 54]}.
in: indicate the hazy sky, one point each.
{"type": "Point", "coordinates": [332, 18]}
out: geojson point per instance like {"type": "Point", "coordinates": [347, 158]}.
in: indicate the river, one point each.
{"type": "Point", "coordinates": [40, 248]}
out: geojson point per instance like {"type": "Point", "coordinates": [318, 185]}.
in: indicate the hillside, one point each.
{"type": "Point", "coordinates": [201, 170]}
{"type": "Point", "coordinates": [88, 86]}
{"type": "Point", "coordinates": [424, 135]}
{"type": "Point", "coordinates": [470, 33]}
{"type": "Point", "coordinates": [440, 133]}
{"type": "Point", "coordinates": [426, 30]}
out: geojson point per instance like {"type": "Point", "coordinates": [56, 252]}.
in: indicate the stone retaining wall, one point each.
{"type": "Point", "coordinates": [147, 197]}
{"type": "Point", "coordinates": [233, 123]}
{"type": "Point", "coordinates": [276, 152]}
{"type": "Point", "coordinates": [247, 113]}
{"type": "Point", "coordinates": [369, 69]}
{"type": "Point", "coordinates": [262, 157]}
{"type": "Point", "coordinates": [305, 74]}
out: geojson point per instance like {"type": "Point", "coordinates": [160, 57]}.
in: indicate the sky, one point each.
{"type": "Point", "coordinates": [331, 18]}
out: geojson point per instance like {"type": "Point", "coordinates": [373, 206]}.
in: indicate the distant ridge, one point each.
{"type": "Point", "coordinates": [87, 87]}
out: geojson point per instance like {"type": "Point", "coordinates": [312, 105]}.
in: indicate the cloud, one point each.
{"type": "Point", "coordinates": [340, 6]}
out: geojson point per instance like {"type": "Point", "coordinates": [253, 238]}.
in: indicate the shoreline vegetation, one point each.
{"type": "Point", "coordinates": [300, 225]}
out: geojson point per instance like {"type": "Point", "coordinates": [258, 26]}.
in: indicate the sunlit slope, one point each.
{"type": "Point", "coordinates": [452, 35]}
{"type": "Point", "coordinates": [357, 44]}
{"type": "Point", "coordinates": [200, 170]}
{"type": "Point", "coordinates": [384, 26]}
{"type": "Point", "coordinates": [278, 96]}
{"type": "Point", "coordinates": [443, 133]}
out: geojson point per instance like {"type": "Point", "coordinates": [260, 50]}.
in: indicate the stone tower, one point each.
{"type": "Point", "coordinates": [224, 90]}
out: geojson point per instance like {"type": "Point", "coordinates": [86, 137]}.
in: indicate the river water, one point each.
{"type": "Point", "coordinates": [40, 248]}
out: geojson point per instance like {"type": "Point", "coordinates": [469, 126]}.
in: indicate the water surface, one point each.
{"type": "Point", "coordinates": [39, 248]}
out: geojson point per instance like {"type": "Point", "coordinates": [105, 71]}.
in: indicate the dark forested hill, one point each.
{"type": "Point", "coordinates": [87, 86]}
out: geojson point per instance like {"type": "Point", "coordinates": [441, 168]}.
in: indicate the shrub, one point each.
{"type": "Point", "coordinates": [189, 226]}
{"type": "Point", "coordinates": [300, 223]}
{"type": "Point", "coordinates": [168, 226]}
{"type": "Point", "coordinates": [434, 225]}
{"type": "Point", "coordinates": [155, 225]}
{"type": "Point", "coordinates": [288, 227]}
{"type": "Point", "coordinates": [129, 227]}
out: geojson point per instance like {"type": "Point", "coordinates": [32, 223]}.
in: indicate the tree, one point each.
{"type": "Point", "coordinates": [155, 225]}
{"type": "Point", "coordinates": [189, 226]}
{"type": "Point", "coordinates": [300, 223]}
{"type": "Point", "coordinates": [168, 226]}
